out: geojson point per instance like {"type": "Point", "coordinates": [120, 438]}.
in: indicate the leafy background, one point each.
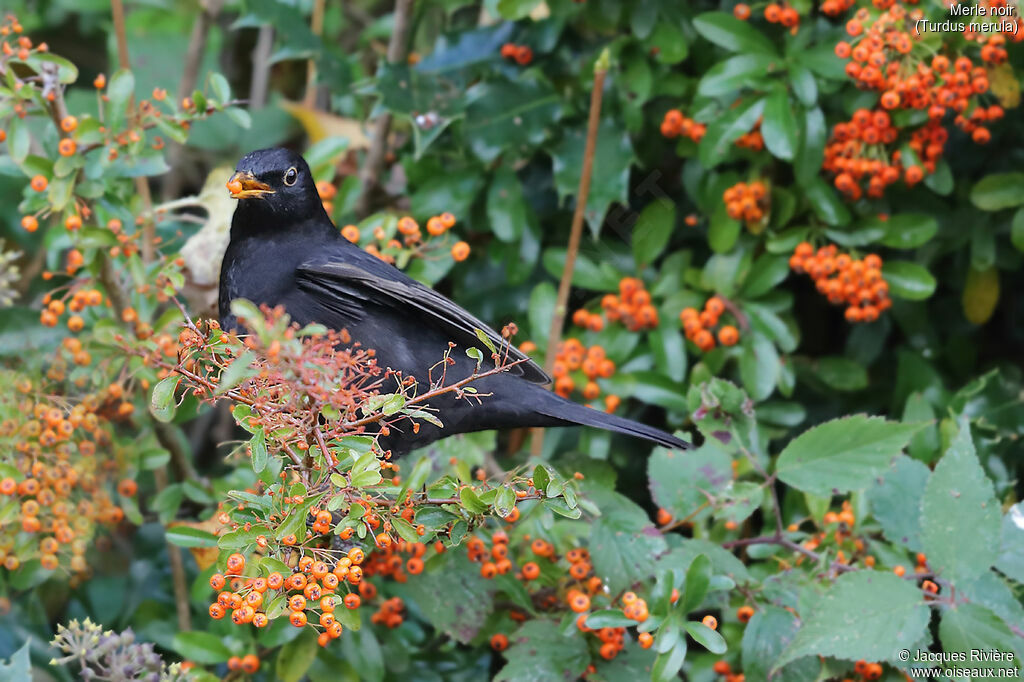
{"type": "Point", "coordinates": [500, 145]}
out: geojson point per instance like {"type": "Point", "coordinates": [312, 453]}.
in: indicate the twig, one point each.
{"type": "Point", "coordinates": [181, 600]}
{"type": "Point", "coordinates": [141, 184]}
{"type": "Point", "coordinates": [208, 11]}
{"type": "Point", "coordinates": [576, 232]}
{"type": "Point", "coordinates": [369, 176]}
{"type": "Point", "coordinates": [317, 27]}
{"type": "Point", "coordinates": [261, 67]}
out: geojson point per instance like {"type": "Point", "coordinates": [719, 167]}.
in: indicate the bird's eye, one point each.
{"type": "Point", "coordinates": [290, 176]}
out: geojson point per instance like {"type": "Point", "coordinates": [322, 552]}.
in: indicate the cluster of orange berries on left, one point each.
{"type": "Point", "coordinates": [74, 303]}
{"type": "Point", "coordinates": [57, 484]}
{"type": "Point", "coordinates": [310, 592]}
{"type": "Point", "coordinates": [856, 282]}
{"type": "Point", "coordinates": [520, 54]}
{"type": "Point", "coordinates": [698, 326]}
{"type": "Point", "coordinates": [572, 356]}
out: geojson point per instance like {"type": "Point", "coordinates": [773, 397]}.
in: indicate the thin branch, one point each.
{"type": "Point", "coordinates": [317, 27]}
{"type": "Point", "coordinates": [369, 176]}
{"type": "Point", "coordinates": [576, 232]}
{"type": "Point", "coordinates": [178, 578]}
{"type": "Point", "coordinates": [261, 67]}
{"type": "Point", "coordinates": [141, 184]}
{"type": "Point", "coordinates": [208, 12]}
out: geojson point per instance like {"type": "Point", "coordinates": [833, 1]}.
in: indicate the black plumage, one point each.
{"type": "Point", "coordinates": [284, 250]}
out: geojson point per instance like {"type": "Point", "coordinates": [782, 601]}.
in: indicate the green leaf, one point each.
{"type": "Point", "coordinates": [1011, 556]}
{"type": "Point", "coordinates": [120, 88]}
{"type": "Point", "coordinates": [184, 536]}
{"type": "Point", "coordinates": [667, 664]}
{"type": "Point", "coordinates": [866, 615]}
{"type": "Point", "coordinates": [825, 203]}
{"type": "Point", "coordinates": [779, 126]}
{"type": "Point", "coordinates": [220, 87]}
{"type": "Point", "coordinates": [161, 403]}
{"type": "Point", "coordinates": [759, 365]}
{"type": "Point", "coordinates": [764, 275]}
{"type": "Point", "coordinates": [540, 650]}
{"type": "Point", "coordinates": [842, 454]}
{"type": "Point", "coordinates": [204, 648]}
{"type": "Point", "coordinates": [613, 155]}
{"type": "Point", "coordinates": [542, 307]}
{"type": "Point", "coordinates": [998, 191]}
{"type": "Point", "coordinates": [238, 371]}
{"type": "Point", "coordinates": [667, 43]}
{"type": "Point", "coordinates": [456, 599]}
{"type": "Point", "coordinates": [514, 10]}
{"type": "Point", "coordinates": [471, 501]}
{"type": "Point", "coordinates": [807, 164]}
{"type": "Point", "coordinates": [766, 635]}
{"type": "Point", "coordinates": [895, 501]}
{"type": "Point", "coordinates": [652, 231]}
{"type": "Point", "coordinates": [960, 516]}
{"type": "Point", "coordinates": [698, 578]}
{"type": "Point", "coordinates": [623, 542]}
{"type": "Point", "coordinates": [803, 84]}
{"type": "Point", "coordinates": [405, 530]}
{"type": "Point", "coordinates": [18, 139]}
{"type": "Point", "coordinates": [297, 656]}
{"type": "Point", "coordinates": [1017, 230]}
{"type": "Point", "coordinates": [841, 374]}
{"type": "Point", "coordinates": [967, 627]}
{"type": "Point", "coordinates": [609, 618]}
{"type": "Point", "coordinates": [20, 665]}
{"type": "Point", "coordinates": [258, 445]}
{"type": "Point", "coordinates": [908, 280]}
{"type": "Point", "coordinates": [507, 210]}
{"type": "Point", "coordinates": [734, 35]}
{"type": "Point", "coordinates": [722, 132]}
{"type": "Point", "coordinates": [909, 230]}
{"type": "Point", "coordinates": [731, 74]}
{"type": "Point", "coordinates": [504, 501]}
{"type": "Point", "coordinates": [509, 115]}
{"type": "Point", "coordinates": [706, 637]}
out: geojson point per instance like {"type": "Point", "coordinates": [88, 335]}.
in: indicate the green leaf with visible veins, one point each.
{"type": "Point", "coordinates": [960, 516]}
{"type": "Point", "coordinates": [868, 615]}
{"type": "Point", "coordinates": [842, 454]}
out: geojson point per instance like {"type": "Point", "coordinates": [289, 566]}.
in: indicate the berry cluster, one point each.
{"type": "Point", "coordinates": [632, 307]}
{"type": "Point", "coordinates": [675, 124]}
{"type": "Point", "coordinates": [883, 58]}
{"type": "Point", "coordinates": [572, 356]}
{"type": "Point", "coordinates": [389, 249]}
{"type": "Point", "coordinates": [249, 664]}
{"type": "Point", "coordinates": [520, 54]}
{"type": "Point", "coordinates": [834, 8]}
{"type": "Point", "coordinates": [784, 14]}
{"type": "Point", "coordinates": [698, 326]}
{"type": "Point", "coordinates": [746, 202]}
{"type": "Point", "coordinates": [856, 282]}
{"type": "Point", "coordinates": [309, 592]}
{"type": "Point", "coordinates": [59, 499]}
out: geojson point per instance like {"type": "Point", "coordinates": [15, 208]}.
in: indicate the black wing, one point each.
{"type": "Point", "coordinates": [351, 288]}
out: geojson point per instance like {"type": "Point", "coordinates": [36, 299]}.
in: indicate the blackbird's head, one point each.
{"type": "Point", "coordinates": [275, 182]}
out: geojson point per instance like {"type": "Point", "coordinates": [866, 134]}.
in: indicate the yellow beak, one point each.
{"type": "Point", "coordinates": [244, 185]}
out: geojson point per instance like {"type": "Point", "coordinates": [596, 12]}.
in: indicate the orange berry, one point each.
{"type": "Point", "coordinates": [250, 663]}
{"type": "Point", "coordinates": [460, 251]}
{"type": "Point", "coordinates": [710, 621]}
{"type": "Point", "coordinates": [67, 147]}
{"type": "Point", "coordinates": [899, 570]}
{"type": "Point", "coordinates": [68, 124]}
{"type": "Point", "coordinates": [298, 619]}
{"type": "Point", "coordinates": [499, 641]}
{"type": "Point", "coordinates": [73, 222]}
{"type": "Point", "coordinates": [744, 614]}
{"type": "Point", "coordinates": [741, 12]}
{"type": "Point", "coordinates": [29, 223]}
{"type": "Point", "coordinates": [39, 183]}
{"type": "Point", "coordinates": [100, 82]}
{"type": "Point", "coordinates": [728, 335]}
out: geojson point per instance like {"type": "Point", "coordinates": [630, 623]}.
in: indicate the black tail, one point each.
{"type": "Point", "coordinates": [552, 405]}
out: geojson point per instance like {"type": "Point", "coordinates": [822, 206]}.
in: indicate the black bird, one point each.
{"type": "Point", "coordinates": [284, 250]}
